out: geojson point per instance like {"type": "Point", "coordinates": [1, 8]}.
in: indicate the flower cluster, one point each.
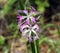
{"type": "Point", "coordinates": [27, 22]}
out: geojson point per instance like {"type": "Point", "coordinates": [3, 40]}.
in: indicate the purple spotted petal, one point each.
{"type": "Point", "coordinates": [25, 11]}
{"type": "Point", "coordinates": [33, 20]}
{"type": "Point", "coordinates": [36, 27]}
{"type": "Point", "coordinates": [28, 21]}
{"type": "Point", "coordinates": [23, 27]}
{"type": "Point", "coordinates": [20, 18]}
{"type": "Point", "coordinates": [24, 33]}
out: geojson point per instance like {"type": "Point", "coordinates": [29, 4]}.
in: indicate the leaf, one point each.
{"type": "Point", "coordinates": [41, 4]}
{"type": "Point", "coordinates": [7, 7]}
{"type": "Point", "coordinates": [43, 40]}
{"type": "Point", "coordinates": [21, 5]}
{"type": "Point", "coordinates": [41, 9]}
{"type": "Point", "coordinates": [1, 40]}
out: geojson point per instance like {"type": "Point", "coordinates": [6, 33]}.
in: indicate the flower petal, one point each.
{"type": "Point", "coordinates": [25, 11]}
{"type": "Point", "coordinates": [33, 20]}
{"type": "Point", "coordinates": [23, 27]}
{"type": "Point", "coordinates": [32, 12]}
{"type": "Point", "coordinates": [34, 32]}
{"type": "Point", "coordinates": [38, 18]}
{"type": "Point", "coordinates": [24, 33]}
{"type": "Point", "coordinates": [20, 18]}
{"type": "Point", "coordinates": [36, 27]}
{"type": "Point", "coordinates": [28, 21]}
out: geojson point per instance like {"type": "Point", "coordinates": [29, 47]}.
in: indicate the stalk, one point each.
{"type": "Point", "coordinates": [37, 46]}
{"type": "Point", "coordinates": [27, 47]}
{"type": "Point", "coordinates": [32, 47]}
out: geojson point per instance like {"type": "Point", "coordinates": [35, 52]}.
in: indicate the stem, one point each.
{"type": "Point", "coordinates": [37, 46]}
{"type": "Point", "coordinates": [27, 47]}
{"type": "Point", "coordinates": [32, 47]}
{"type": "Point", "coordinates": [27, 50]}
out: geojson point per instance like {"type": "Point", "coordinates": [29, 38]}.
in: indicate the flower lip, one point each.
{"type": "Point", "coordinates": [30, 29]}
{"type": "Point", "coordinates": [23, 27]}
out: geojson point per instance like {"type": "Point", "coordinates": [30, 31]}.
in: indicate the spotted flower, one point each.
{"type": "Point", "coordinates": [27, 31]}
{"type": "Point", "coordinates": [29, 16]}
{"type": "Point", "coordinates": [27, 22]}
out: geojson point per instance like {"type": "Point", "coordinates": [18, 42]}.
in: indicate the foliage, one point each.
{"type": "Point", "coordinates": [1, 40]}
{"type": "Point", "coordinates": [42, 4]}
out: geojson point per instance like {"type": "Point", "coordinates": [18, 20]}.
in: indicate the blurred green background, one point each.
{"type": "Point", "coordinates": [11, 40]}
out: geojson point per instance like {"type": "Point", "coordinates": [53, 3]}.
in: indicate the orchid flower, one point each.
{"type": "Point", "coordinates": [28, 23]}
{"type": "Point", "coordinates": [27, 31]}
{"type": "Point", "coordinates": [29, 16]}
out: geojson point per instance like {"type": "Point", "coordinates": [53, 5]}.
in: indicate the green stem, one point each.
{"type": "Point", "coordinates": [32, 47]}
{"type": "Point", "coordinates": [27, 50]}
{"type": "Point", "coordinates": [27, 47]}
{"type": "Point", "coordinates": [37, 46]}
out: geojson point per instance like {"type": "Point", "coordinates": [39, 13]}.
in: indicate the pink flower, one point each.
{"type": "Point", "coordinates": [29, 17]}
{"type": "Point", "coordinates": [28, 23]}
{"type": "Point", "coordinates": [28, 30]}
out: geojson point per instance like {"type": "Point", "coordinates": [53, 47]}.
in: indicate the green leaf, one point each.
{"type": "Point", "coordinates": [43, 40]}
{"type": "Point", "coordinates": [7, 7]}
{"type": "Point", "coordinates": [1, 40]}
{"type": "Point", "coordinates": [41, 9]}
{"type": "Point", "coordinates": [46, 26]}
{"type": "Point", "coordinates": [21, 5]}
{"type": "Point", "coordinates": [41, 4]}
{"type": "Point", "coordinates": [50, 25]}
{"type": "Point", "coordinates": [32, 47]}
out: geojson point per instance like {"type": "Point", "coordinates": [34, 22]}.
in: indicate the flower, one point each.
{"type": "Point", "coordinates": [20, 21]}
{"type": "Point", "coordinates": [27, 31]}
{"type": "Point", "coordinates": [29, 16]}
{"type": "Point", "coordinates": [27, 22]}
